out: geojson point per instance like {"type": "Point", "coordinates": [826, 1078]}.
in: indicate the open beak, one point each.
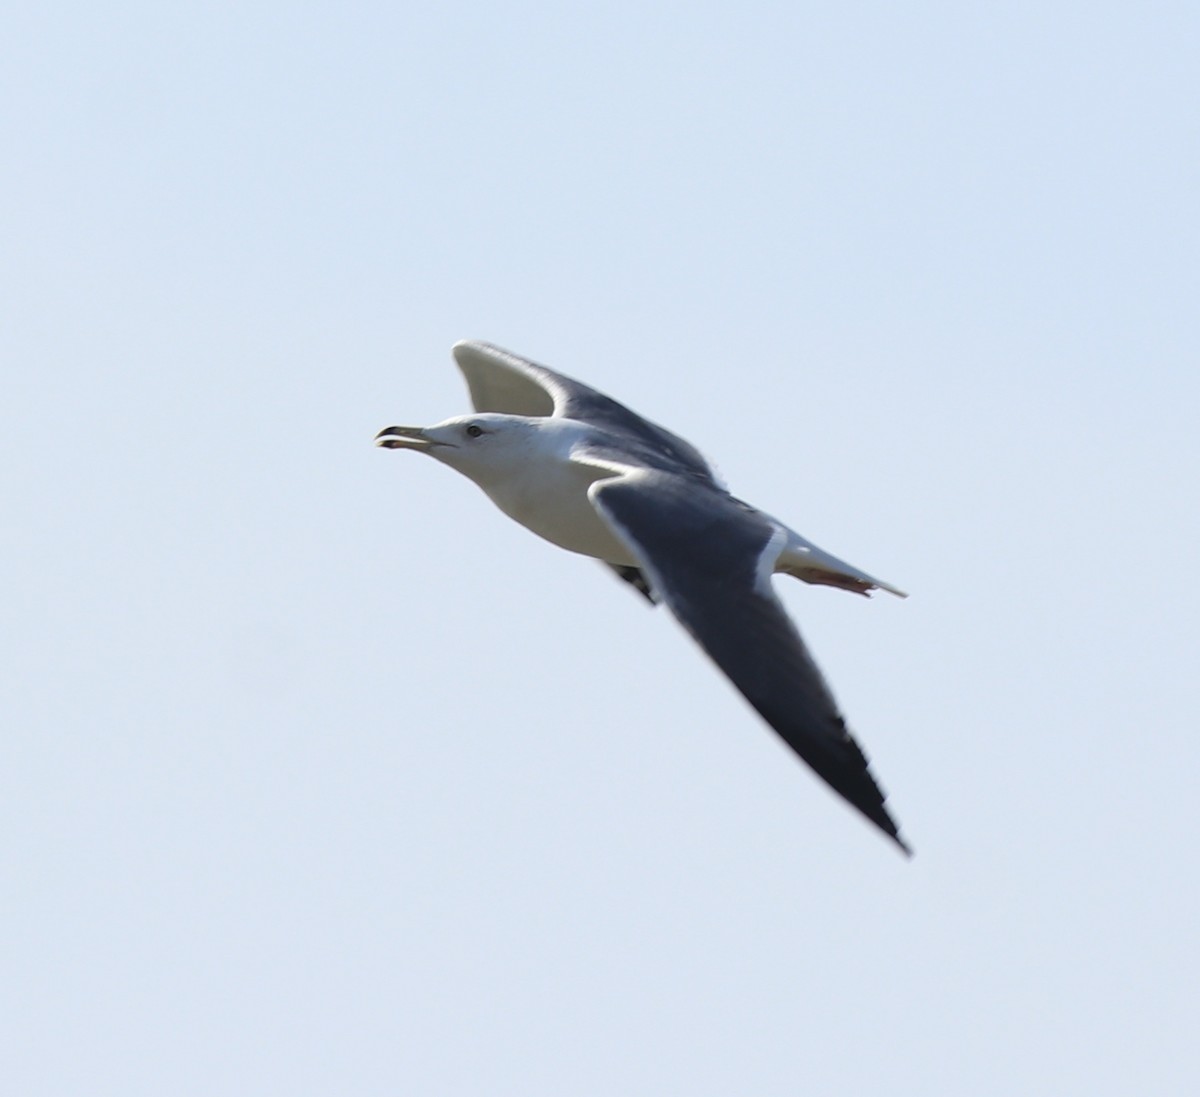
{"type": "Point", "coordinates": [404, 438]}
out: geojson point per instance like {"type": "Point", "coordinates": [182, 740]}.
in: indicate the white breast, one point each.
{"type": "Point", "coordinates": [551, 500]}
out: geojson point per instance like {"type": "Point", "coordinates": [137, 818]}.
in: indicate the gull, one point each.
{"type": "Point", "coordinates": [593, 477]}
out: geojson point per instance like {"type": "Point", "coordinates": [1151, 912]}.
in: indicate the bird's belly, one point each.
{"type": "Point", "coordinates": [558, 509]}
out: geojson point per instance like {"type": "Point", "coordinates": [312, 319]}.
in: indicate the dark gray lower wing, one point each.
{"type": "Point", "coordinates": [635, 579]}
{"type": "Point", "coordinates": [701, 550]}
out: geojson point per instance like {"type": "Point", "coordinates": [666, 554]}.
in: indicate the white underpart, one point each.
{"type": "Point", "coordinates": [549, 496]}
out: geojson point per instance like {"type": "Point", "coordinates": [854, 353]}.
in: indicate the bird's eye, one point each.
{"type": "Point", "coordinates": [474, 430]}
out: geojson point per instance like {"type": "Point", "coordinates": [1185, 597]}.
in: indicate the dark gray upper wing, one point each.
{"type": "Point", "coordinates": [701, 550]}
{"type": "Point", "coordinates": [501, 381]}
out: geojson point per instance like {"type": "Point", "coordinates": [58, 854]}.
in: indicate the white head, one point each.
{"type": "Point", "coordinates": [486, 447]}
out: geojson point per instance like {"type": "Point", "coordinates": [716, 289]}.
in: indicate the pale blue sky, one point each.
{"type": "Point", "coordinates": [319, 776]}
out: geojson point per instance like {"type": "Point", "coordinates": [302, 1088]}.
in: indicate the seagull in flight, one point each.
{"type": "Point", "coordinates": [593, 477]}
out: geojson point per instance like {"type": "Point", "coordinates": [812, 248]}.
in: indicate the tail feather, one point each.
{"type": "Point", "coordinates": [804, 560]}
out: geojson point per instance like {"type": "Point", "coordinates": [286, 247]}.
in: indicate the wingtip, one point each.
{"type": "Point", "coordinates": [466, 347]}
{"type": "Point", "coordinates": [466, 350]}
